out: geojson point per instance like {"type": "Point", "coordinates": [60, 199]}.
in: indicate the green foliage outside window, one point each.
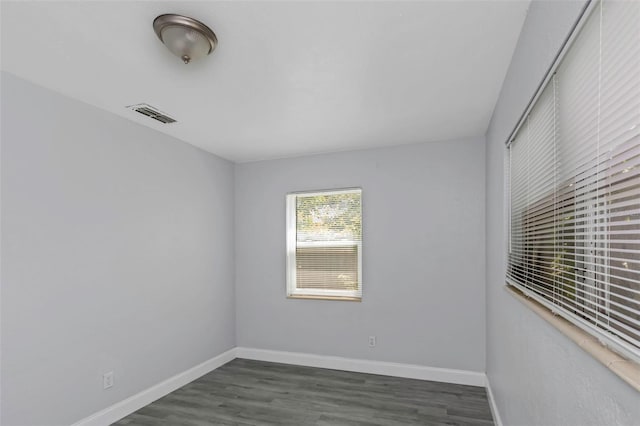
{"type": "Point", "coordinates": [329, 217]}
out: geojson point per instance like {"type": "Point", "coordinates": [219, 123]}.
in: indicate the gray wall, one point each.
{"type": "Point", "coordinates": [538, 376]}
{"type": "Point", "coordinates": [117, 255]}
{"type": "Point", "coordinates": [423, 256]}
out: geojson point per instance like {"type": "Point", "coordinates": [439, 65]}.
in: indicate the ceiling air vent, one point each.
{"type": "Point", "coordinates": [151, 112]}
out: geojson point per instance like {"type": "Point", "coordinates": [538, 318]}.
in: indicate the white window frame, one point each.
{"type": "Point", "coordinates": [291, 233]}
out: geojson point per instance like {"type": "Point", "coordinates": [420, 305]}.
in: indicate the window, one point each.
{"type": "Point", "coordinates": [574, 183]}
{"type": "Point", "coordinates": [324, 244]}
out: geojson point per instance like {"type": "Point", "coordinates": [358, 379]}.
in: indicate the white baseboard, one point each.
{"type": "Point", "coordinates": [124, 408]}
{"type": "Point", "coordinates": [492, 403]}
{"type": "Point", "coordinates": [462, 377]}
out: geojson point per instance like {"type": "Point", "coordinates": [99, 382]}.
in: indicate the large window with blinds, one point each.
{"type": "Point", "coordinates": [324, 244]}
{"type": "Point", "coordinates": [574, 182]}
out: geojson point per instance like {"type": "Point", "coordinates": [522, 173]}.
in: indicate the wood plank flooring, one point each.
{"type": "Point", "coordinates": [245, 392]}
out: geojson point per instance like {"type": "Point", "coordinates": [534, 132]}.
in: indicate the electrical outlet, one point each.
{"type": "Point", "coordinates": [372, 341]}
{"type": "Point", "coordinates": [107, 380]}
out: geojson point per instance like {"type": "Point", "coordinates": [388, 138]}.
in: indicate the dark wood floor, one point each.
{"type": "Point", "coordinates": [245, 392]}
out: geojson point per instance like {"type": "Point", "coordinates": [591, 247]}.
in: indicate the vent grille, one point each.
{"type": "Point", "coordinates": [151, 112]}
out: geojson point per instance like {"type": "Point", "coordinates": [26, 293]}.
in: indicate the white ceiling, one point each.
{"type": "Point", "coordinates": [287, 78]}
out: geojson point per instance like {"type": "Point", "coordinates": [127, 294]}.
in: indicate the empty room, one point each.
{"type": "Point", "coordinates": [312, 212]}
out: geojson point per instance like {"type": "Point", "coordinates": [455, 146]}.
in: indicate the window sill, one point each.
{"type": "Point", "coordinates": [345, 299]}
{"type": "Point", "coordinates": [627, 370]}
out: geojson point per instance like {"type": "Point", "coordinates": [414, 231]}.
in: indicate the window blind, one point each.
{"type": "Point", "coordinates": [324, 244]}
{"type": "Point", "coordinates": [574, 183]}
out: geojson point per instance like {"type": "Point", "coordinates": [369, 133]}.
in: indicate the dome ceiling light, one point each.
{"type": "Point", "coordinates": [185, 37]}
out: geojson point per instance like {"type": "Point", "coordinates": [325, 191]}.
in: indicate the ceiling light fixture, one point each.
{"type": "Point", "coordinates": [185, 37]}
